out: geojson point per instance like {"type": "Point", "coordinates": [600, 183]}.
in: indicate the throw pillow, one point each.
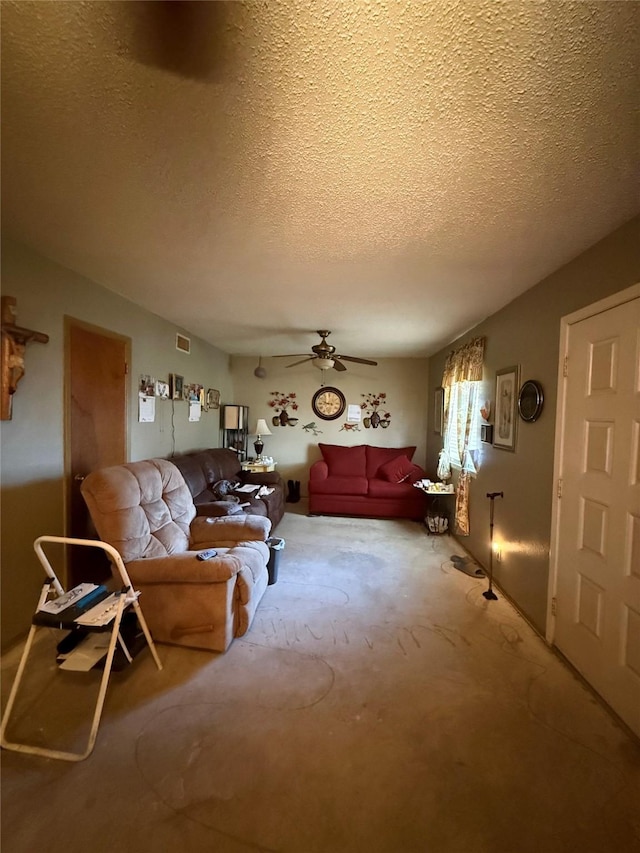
{"type": "Point", "coordinates": [344, 461]}
{"type": "Point", "coordinates": [397, 470]}
{"type": "Point", "coordinates": [377, 456]}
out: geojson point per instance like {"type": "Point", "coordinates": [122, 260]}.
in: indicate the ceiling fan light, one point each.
{"type": "Point", "coordinates": [323, 363]}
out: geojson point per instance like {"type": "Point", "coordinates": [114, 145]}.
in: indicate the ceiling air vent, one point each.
{"type": "Point", "coordinates": [183, 343]}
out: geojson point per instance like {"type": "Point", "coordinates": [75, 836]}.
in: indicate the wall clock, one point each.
{"type": "Point", "coordinates": [328, 403]}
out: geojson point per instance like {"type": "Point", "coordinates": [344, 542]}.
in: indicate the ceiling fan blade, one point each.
{"type": "Point", "coordinates": [310, 358]}
{"type": "Point", "coordinates": [324, 354]}
{"type": "Point", "coordinates": [359, 360]}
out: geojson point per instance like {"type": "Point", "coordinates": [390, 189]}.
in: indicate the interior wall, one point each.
{"type": "Point", "coordinates": [32, 443]}
{"type": "Point", "coordinates": [527, 333]}
{"type": "Point", "coordinates": [403, 380]}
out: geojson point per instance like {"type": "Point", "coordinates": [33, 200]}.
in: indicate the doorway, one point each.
{"type": "Point", "coordinates": [96, 406]}
{"type": "Point", "coordinates": [595, 568]}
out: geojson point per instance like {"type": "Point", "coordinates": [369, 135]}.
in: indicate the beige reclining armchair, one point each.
{"type": "Point", "coordinates": [146, 512]}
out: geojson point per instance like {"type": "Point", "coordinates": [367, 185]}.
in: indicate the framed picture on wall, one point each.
{"type": "Point", "coordinates": [213, 399]}
{"type": "Point", "coordinates": [176, 386]}
{"type": "Point", "coordinates": [505, 426]}
{"type": "Point", "coordinates": [438, 410]}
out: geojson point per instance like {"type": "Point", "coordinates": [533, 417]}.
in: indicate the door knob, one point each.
{"type": "Point", "coordinates": [79, 477]}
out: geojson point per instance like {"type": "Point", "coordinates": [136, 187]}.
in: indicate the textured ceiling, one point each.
{"type": "Point", "coordinates": [392, 171]}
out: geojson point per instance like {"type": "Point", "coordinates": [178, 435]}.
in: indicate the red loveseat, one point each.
{"type": "Point", "coordinates": [368, 481]}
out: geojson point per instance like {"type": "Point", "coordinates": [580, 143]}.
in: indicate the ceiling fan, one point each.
{"type": "Point", "coordinates": [189, 38]}
{"type": "Point", "coordinates": [325, 357]}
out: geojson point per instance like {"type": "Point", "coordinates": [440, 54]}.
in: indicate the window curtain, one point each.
{"type": "Point", "coordinates": [464, 364]}
{"type": "Point", "coordinates": [461, 383]}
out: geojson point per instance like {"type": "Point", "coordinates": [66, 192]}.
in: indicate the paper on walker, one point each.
{"type": "Point", "coordinates": [56, 605]}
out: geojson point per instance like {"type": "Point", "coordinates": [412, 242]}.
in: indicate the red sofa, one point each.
{"type": "Point", "coordinates": [368, 481]}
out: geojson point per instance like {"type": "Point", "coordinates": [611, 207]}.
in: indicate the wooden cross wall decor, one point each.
{"type": "Point", "coordinates": [14, 343]}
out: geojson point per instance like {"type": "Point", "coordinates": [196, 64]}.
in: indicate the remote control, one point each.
{"type": "Point", "coordinates": [208, 554]}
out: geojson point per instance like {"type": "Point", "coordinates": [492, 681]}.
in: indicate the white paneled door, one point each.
{"type": "Point", "coordinates": [597, 569]}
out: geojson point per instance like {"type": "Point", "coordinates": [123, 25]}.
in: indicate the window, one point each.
{"type": "Point", "coordinates": [462, 381]}
{"type": "Point", "coordinates": [462, 425]}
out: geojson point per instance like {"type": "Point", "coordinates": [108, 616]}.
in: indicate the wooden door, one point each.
{"type": "Point", "coordinates": [597, 624]}
{"type": "Point", "coordinates": [96, 435]}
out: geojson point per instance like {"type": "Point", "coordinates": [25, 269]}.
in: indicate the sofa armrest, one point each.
{"type": "Point", "coordinates": [319, 470]}
{"type": "Point", "coordinates": [183, 568]}
{"type": "Point", "coordinates": [232, 528]}
{"type": "Point", "coordinates": [268, 478]}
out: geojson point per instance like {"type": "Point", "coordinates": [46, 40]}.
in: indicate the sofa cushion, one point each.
{"type": "Point", "coordinates": [267, 505]}
{"type": "Point", "coordinates": [191, 470]}
{"type": "Point", "coordinates": [340, 486]}
{"type": "Point", "coordinates": [203, 470]}
{"type": "Point", "coordinates": [377, 456]}
{"type": "Point", "coordinates": [344, 461]}
{"type": "Point", "coordinates": [216, 509]}
{"type": "Point", "coordinates": [219, 464]}
{"type": "Point", "coordinates": [209, 532]}
{"type": "Point", "coordinates": [384, 489]}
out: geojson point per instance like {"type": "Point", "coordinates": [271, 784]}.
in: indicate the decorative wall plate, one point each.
{"type": "Point", "coordinates": [530, 400]}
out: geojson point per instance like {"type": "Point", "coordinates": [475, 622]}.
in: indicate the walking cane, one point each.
{"type": "Point", "coordinates": [490, 594]}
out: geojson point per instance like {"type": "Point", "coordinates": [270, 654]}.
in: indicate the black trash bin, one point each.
{"type": "Point", "coordinates": [276, 545]}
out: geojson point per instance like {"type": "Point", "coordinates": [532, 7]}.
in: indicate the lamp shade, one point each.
{"type": "Point", "coordinates": [262, 428]}
{"type": "Point", "coordinates": [323, 363]}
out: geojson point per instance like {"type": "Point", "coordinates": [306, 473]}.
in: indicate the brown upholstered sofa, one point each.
{"type": "Point", "coordinates": [146, 511]}
{"type": "Point", "coordinates": [203, 469]}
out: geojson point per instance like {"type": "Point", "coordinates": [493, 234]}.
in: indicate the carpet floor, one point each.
{"type": "Point", "coordinates": [379, 703]}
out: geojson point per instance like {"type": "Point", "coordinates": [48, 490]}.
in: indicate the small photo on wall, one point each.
{"type": "Point", "coordinates": [192, 392]}
{"type": "Point", "coordinates": [162, 390]}
{"type": "Point", "coordinates": [147, 385]}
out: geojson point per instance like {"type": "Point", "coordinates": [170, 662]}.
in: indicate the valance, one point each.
{"type": "Point", "coordinates": [464, 364]}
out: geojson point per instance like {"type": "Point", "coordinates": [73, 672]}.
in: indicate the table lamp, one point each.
{"type": "Point", "coordinates": [260, 430]}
